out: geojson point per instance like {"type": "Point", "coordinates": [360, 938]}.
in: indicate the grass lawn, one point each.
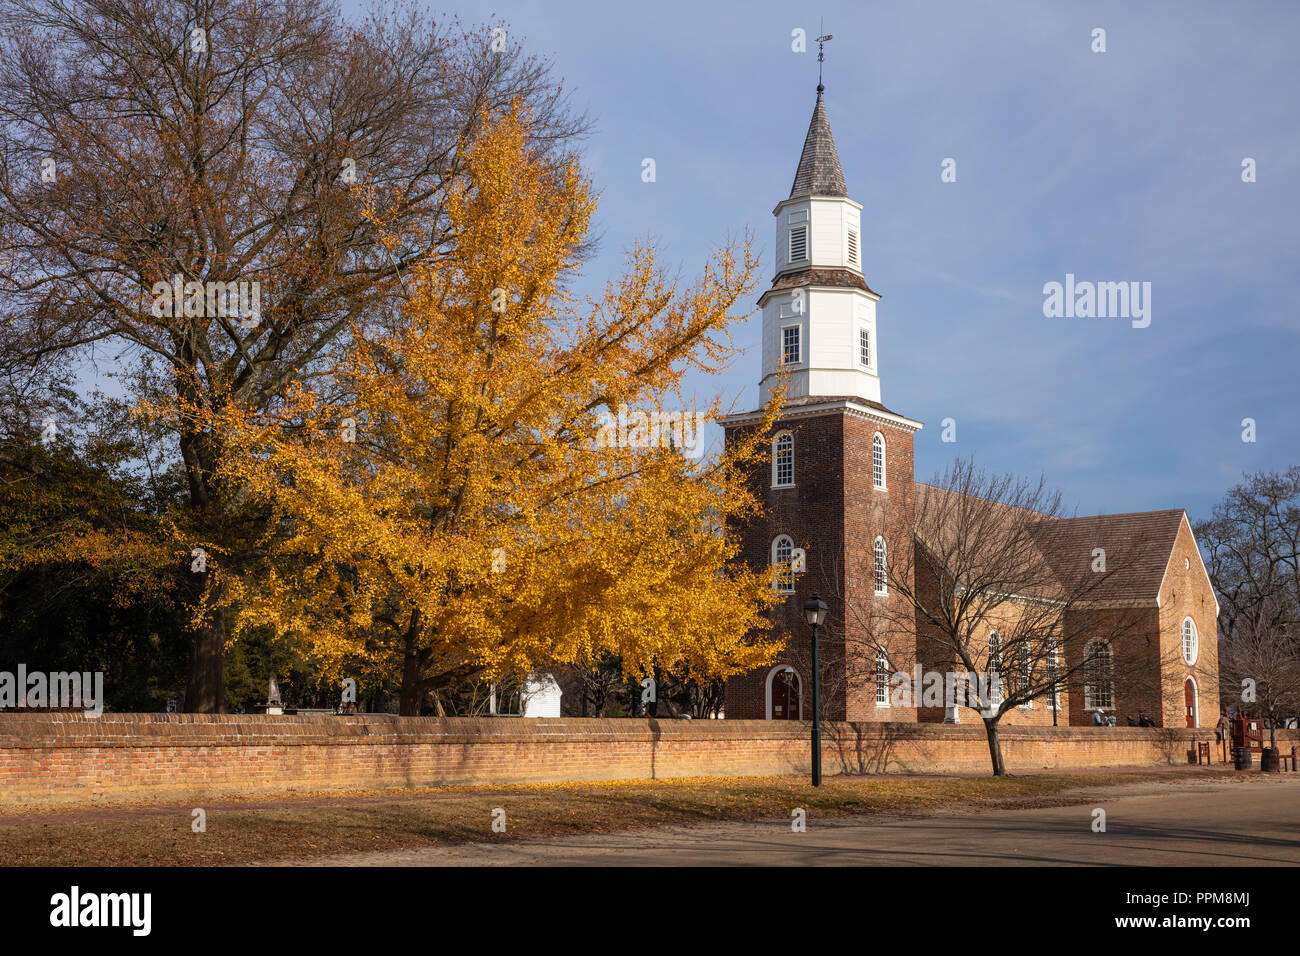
{"type": "Point", "coordinates": [305, 826]}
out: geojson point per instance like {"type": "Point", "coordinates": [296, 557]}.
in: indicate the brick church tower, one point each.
{"type": "Point", "coordinates": [838, 484]}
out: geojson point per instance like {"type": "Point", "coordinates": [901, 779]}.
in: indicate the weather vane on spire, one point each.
{"type": "Point", "coordinates": [821, 54]}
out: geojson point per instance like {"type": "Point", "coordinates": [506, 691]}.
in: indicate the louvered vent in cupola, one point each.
{"type": "Point", "coordinates": [798, 243]}
{"type": "Point", "coordinates": [853, 247]}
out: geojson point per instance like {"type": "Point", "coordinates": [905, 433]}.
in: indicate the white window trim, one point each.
{"type": "Point", "coordinates": [876, 577]}
{"type": "Point", "coordinates": [1026, 665]}
{"type": "Point", "coordinates": [1196, 641]}
{"type": "Point", "coordinates": [871, 352]}
{"type": "Point", "coordinates": [884, 463]}
{"type": "Point", "coordinates": [1089, 689]}
{"type": "Point", "coordinates": [771, 677]}
{"type": "Point", "coordinates": [787, 576]}
{"type": "Point", "coordinates": [776, 482]}
{"type": "Point", "coordinates": [995, 636]}
{"type": "Point", "coordinates": [880, 653]}
{"type": "Point", "coordinates": [781, 344]}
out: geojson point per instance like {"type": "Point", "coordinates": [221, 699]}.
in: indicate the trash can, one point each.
{"type": "Point", "coordinates": [1241, 758]}
{"type": "Point", "coordinates": [1268, 761]}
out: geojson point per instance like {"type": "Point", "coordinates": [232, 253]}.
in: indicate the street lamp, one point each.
{"type": "Point", "coordinates": [814, 612]}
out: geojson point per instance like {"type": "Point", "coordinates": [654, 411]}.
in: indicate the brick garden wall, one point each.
{"type": "Point", "coordinates": [67, 758]}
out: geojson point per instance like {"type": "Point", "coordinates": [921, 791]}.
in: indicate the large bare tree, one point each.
{"type": "Point", "coordinates": [985, 554]}
{"type": "Point", "coordinates": [1252, 546]}
{"type": "Point", "coordinates": [267, 142]}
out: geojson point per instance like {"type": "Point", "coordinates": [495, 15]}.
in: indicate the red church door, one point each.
{"type": "Point", "coordinates": [785, 696]}
{"type": "Point", "coordinates": [1189, 698]}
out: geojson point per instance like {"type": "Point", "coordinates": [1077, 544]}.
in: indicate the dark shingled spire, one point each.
{"type": "Point", "coordinates": [819, 172]}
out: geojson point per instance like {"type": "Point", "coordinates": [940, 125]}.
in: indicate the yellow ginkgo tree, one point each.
{"type": "Point", "coordinates": [453, 498]}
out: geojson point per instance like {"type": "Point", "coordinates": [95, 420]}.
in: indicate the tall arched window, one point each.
{"type": "Point", "coordinates": [882, 678]}
{"type": "Point", "coordinates": [995, 668]}
{"type": "Point", "coordinates": [783, 460]}
{"type": "Point", "coordinates": [1025, 679]}
{"type": "Point", "coordinates": [1191, 643]}
{"type": "Point", "coordinates": [881, 567]}
{"type": "Point", "coordinates": [878, 461]}
{"type": "Point", "coordinates": [782, 553]}
{"type": "Point", "coordinates": [1099, 686]}
{"type": "Point", "coordinates": [1054, 670]}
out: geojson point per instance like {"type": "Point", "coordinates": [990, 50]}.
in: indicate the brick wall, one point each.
{"type": "Point", "coordinates": [811, 512]}
{"type": "Point", "coordinates": [834, 512]}
{"type": "Point", "coordinates": [1186, 592]}
{"type": "Point", "coordinates": [67, 758]}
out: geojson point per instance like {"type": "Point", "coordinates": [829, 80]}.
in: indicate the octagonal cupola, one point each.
{"type": "Point", "coordinates": [819, 316]}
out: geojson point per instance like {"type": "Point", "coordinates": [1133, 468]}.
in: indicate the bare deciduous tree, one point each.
{"type": "Point", "coordinates": [266, 142]}
{"type": "Point", "coordinates": [985, 556]}
{"type": "Point", "coordinates": [1252, 545]}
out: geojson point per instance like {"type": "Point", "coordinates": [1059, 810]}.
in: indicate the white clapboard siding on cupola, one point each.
{"type": "Point", "coordinates": [824, 294]}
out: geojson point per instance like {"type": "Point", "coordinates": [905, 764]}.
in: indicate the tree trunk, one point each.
{"type": "Point", "coordinates": [412, 690]}
{"type": "Point", "coordinates": [206, 691]}
{"type": "Point", "coordinates": [995, 746]}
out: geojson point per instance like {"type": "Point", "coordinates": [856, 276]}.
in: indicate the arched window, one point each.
{"type": "Point", "coordinates": [1025, 677]}
{"type": "Point", "coordinates": [882, 678]}
{"type": "Point", "coordinates": [1191, 643]}
{"type": "Point", "coordinates": [881, 567]}
{"type": "Point", "coordinates": [878, 461]}
{"type": "Point", "coordinates": [995, 668]}
{"type": "Point", "coordinates": [1099, 686]}
{"type": "Point", "coordinates": [783, 460]}
{"type": "Point", "coordinates": [1054, 670]}
{"type": "Point", "coordinates": [782, 553]}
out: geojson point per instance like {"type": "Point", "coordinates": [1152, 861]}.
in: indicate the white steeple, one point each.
{"type": "Point", "coordinates": [819, 316]}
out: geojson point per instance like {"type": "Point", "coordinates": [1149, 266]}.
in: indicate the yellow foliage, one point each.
{"type": "Point", "coordinates": [443, 500]}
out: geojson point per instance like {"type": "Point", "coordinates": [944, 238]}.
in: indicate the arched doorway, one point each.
{"type": "Point", "coordinates": [1190, 702]}
{"type": "Point", "coordinates": [784, 694]}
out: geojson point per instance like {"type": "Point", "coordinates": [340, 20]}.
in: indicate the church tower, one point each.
{"type": "Point", "coordinates": [819, 316]}
{"type": "Point", "coordinates": [837, 488]}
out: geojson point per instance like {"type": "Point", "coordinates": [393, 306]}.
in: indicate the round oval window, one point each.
{"type": "Point", "coordinates": [1189, 641]}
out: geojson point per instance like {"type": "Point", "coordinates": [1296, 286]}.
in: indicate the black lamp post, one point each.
{"type": "Point", "coordinates": [814, 611]}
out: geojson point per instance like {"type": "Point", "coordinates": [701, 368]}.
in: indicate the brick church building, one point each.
{"type": "Point", "coordinates": [840, 484]}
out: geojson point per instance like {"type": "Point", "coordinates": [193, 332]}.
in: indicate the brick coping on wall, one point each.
{"type": "Point", "coordinates": [34, 730]}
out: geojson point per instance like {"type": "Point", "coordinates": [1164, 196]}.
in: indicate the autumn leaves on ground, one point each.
{"type": "Point", "coordinates": [311, 826]}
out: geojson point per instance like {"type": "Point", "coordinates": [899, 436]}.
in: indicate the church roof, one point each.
{"type": "Point", "coordinates": [819, 172]}
{"type": "Point", "coordinates": [1138, 545]}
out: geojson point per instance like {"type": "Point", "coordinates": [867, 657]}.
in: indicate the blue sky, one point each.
{"type": "Point", "coordinates": [1123, 165]}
